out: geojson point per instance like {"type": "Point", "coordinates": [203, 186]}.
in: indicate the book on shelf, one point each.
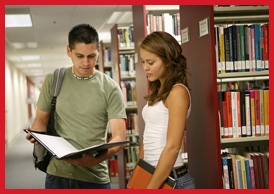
{"type": "Point", "coordinates": [129, 92]}
{"type": "Point", "coordinates": [125, 37]}
{"type": "Point", "coordinates": [166, 22]}
{"type": "Point", "coordinates": [60, 148]}
{"type": "Point", "coordinates": [248, 177]}
{"type": "Point", "coordinates": [260, 162]}
{"type": "Point", "coordinates": [127, 65]}
{"type": "Point", "coordinates": [243, 170]}
{"type": "Point", "coordinates": [244, 113]}
{"type": "Point", "coordinates": [242, 47]}
{"type": "Point", "coordinates": [142, 174]}
{"type": "Point", "coordinates": [247, 171]}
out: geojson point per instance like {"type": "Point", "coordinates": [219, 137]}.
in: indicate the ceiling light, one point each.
{"type": "Point", "coordinates": [18, 20]}
{"type": "Point", "coordinates": [32, 44]}
{"type": "Point", "coordinates": [30, 57]}
{"type": "Point", "coordinates": [21, 66]}
{"type": "Point", "coordinates": [36, 70]}
{"type": "Point", "coordinates": [34, 65]}
{"type": "Point", "coordinates": [18, 45]}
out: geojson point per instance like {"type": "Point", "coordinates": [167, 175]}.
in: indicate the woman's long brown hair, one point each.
{"type": "Point", "coordinates": [168, 49]}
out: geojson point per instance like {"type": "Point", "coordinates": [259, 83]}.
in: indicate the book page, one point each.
{"type": "Point", "coordinates": [58, 145]}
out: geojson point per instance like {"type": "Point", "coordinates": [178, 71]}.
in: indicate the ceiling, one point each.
{"type": "Point", "coordinates": [51, 24]}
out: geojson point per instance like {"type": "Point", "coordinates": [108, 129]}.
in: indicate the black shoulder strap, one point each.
{"type": "Point", "coordinates": [57, 83]}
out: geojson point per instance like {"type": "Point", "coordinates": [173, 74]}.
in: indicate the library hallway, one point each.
{"type": "Point", "coordinates": [19, 170]}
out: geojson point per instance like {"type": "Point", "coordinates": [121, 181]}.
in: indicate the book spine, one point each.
{"type": "Point", "coordinates": [261, 94]}
{"type": "Point", "coordinates": [256, 170]}
{"type": "Point", "coordinates": [243, 113]}
{"type": "Point", "coordinates": [247, 43]}
{"type": "Point", "coordinates": [236, 45]}
{"type": "Point", "coordinates": [222, 48]}
{"type": "Point", "coordinates": [225, 119]}
{"type": "Point", "coordinates": [243, 52]}
{"type": "Point", "coordinates": [252, 110]}
{"type": "Point", "coordinates": [228, 67]}
{"type": "Point", "coordinates": [229, 113]}
{"type": "Point", "coordinates": [231, 53]}
{"type": "Point", "coordinates": [266, 57]}
{"type": "Point", "coordinates": [257, 34]}
{"type": "Point", "coordinates": [262, 46]}
{"type": "Point", "coordinates": [253, 66]}
{"type": "Point", "coordinates": [257, 112]}
{"type": "Point", "coordinates": [234, 114]}
{"type": "Point", "coordinates": [225, 173]}
{"type": "Point", "coordinates": [248, 118]}
{"type": "Point", "coordinates": [252, 176]}
{"type": "Point", "coordinates": [248, 178]}
{"type": "Point", "coordinates": [239, 174]}
{"type": "Point", "coordinates": [261, 172]}
{"type": "Point", "coordinates": [220, 108]}
{"type": "Point", "coordinates": [266, 112]}
{"type": "Point", "coordinates": [230, 173]}
{"type": "Point", "coordinates": [238, 117]}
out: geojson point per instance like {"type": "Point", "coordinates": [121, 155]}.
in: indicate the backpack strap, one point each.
{"type": "Point", "coordinates": [57, 83]}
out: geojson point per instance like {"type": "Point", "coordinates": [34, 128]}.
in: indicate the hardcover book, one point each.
{"type": "Point", "coordinates": [62, 149]}
{"type": "Point", "coordinates": [143, 173]}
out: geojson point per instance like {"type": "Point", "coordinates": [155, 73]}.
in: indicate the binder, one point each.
{"type": "Point", "coordinates": [142, 174]}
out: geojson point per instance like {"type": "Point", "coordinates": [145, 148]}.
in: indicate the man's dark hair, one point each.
{"type": "Point", "coordinates": [83, 33]}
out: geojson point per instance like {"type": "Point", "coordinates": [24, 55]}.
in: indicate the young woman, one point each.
{"type": "Point", "coordinates": [167, 109]}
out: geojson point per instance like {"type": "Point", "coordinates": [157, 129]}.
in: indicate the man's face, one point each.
{"type": "Point", "coordinates": [84, 57]}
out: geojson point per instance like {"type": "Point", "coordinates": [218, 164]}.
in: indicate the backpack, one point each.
{"type": "Point", "coordinates": [41, 156]}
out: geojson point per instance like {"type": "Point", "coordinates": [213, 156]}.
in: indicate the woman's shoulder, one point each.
{"type": "Point", "coordinates": [178, 94]}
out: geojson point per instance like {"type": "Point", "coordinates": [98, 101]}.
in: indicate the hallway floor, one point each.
{"type": "Point", "coordinates": [19, 170]}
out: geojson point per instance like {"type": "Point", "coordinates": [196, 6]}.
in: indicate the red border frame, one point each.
{"type": "Point", "coordinates": [86, 2]}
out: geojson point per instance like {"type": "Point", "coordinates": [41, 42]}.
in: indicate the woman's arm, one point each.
{"type": "Point", "coordinates": [178, 103]}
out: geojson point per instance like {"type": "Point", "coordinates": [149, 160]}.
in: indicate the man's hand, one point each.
{"type": "Point", "coordinates": [30, 138]}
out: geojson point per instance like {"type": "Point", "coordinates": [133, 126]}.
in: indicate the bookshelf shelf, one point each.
{"type": "Point", "coordinates": [241, 14]}
{"type": "Point", "coordinates": [123, 78]}
{"type": "Point", "coordinates": [244, 139]}
{"type": "Point", "coordinates": [131, 108]}
{"type": "Point", "coordinates": [242, 76]}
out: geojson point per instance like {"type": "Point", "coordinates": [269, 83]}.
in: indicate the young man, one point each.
{"type": "Point", "coordinates": [87, 101]}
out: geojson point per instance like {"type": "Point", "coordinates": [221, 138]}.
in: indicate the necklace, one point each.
{"type": "Point", "coordinates": [82, 78]}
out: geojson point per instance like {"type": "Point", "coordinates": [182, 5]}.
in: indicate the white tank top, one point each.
{"type": "Point", "coordinates": [155, 133]}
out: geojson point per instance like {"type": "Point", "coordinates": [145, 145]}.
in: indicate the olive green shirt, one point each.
{"type": "Point", "coordinates": [83, 110]}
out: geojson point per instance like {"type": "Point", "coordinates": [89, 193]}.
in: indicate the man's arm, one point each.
{"type": "Point", "coordinates": [118, 131]}
{"type": "Point", "coordinates": [39, 124]}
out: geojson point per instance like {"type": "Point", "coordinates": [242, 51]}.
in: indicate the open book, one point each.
{"type": "Point", "coordinates": [61, 148]}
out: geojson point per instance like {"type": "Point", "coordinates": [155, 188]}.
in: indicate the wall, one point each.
{"type": "Point", "coordinates": [16, 110]}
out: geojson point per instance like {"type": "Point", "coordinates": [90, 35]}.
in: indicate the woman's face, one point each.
{"type": "Point", "coordinates": [153, 66]}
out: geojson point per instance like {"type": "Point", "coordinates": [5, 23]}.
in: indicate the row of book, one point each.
{"type": "Point", "coordinates": [243, 113]}
{"type": "Point", "coordinates": [243, 85]}
{"type": "Point", "coordinates": [125, 37]}
{"type": "Point", "coordinates": [131, 156]}
{"type": "Point", "coordinates": [132, 124]}
{"type": "Point", "coordinates": [242, 47]}
{"type": "Point", "coordinates": [127, 65]}
{"type": "Point", "coordinates": [166, 22]}
{"type": "Point", "coordinates": [129, 92]}
{"type": "Point", "coordinates": [250, 171]}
